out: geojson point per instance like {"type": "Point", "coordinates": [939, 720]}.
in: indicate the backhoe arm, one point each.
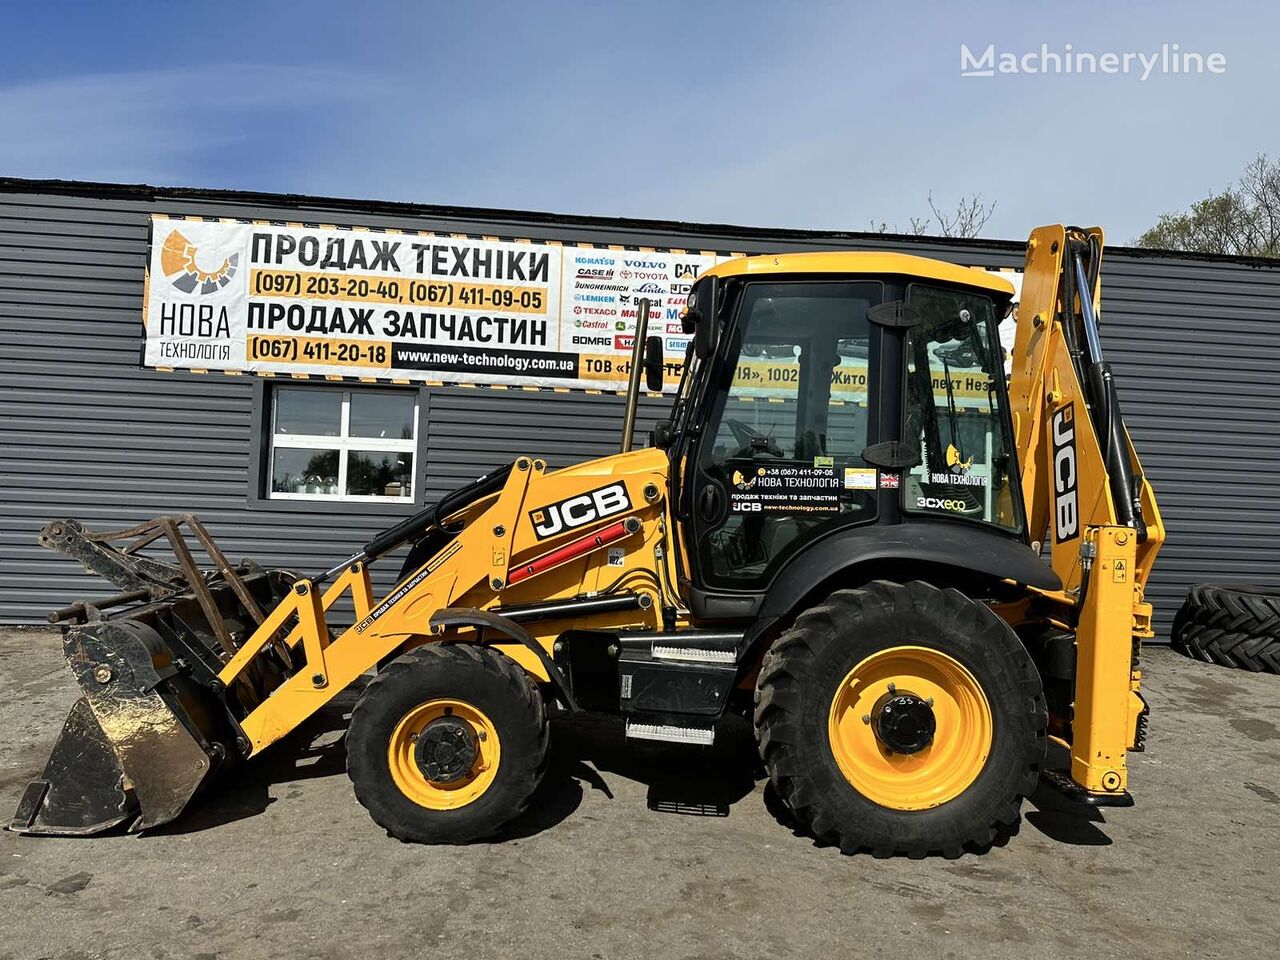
{"type": "Point", "coordinates": [1086, 497]}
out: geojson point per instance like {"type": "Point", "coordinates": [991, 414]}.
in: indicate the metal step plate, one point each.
{"type": "Point", "coordinates": [701, 736]}
{"type": "Point", "coordinates": [697, 654]}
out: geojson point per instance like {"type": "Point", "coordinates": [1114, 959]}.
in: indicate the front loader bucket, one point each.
{"type": "Point", "coordinates": [135, 748]}
{"type": "Point", "coordinates": [154, 721]}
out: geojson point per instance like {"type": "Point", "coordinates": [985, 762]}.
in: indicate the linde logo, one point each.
{"type": "Point", "coordinates": [577, 511]}
{"type": "Point", "coordinates": [1169, 60]}
{"type": "Point", "coordinates": [648, 288]}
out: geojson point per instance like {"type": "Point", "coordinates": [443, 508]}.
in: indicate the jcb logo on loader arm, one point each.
{"type": "Point", "coordinates": [1066, 512]}
{"type": "Point", "coordinates": [579, 510]}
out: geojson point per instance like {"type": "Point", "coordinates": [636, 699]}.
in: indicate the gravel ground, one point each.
{"type": "Point", "coordinates": [283, 863]}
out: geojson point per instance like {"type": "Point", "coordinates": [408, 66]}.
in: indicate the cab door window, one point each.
{"type": "Point", "coordinates": [780, 461]}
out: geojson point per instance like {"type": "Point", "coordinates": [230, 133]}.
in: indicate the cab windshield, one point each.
{"type": "Point", "coordinates": [955, 412]}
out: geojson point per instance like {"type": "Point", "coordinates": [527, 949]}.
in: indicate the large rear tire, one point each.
{"type": "Point", "coordinates": [1232, 626]}
{"type": "Point", "coordinates": [447, 744]}
{"type": "Point", "coordinates": [945, 773]}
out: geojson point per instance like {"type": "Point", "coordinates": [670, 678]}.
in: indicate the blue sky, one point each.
{"type": "Point", "coordinates": [803, 115]}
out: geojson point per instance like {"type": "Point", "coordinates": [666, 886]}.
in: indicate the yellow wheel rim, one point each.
{"type": "Point", "coordinates": [943, 769]}
{"type": "Point", "coordinates": [409, 777]}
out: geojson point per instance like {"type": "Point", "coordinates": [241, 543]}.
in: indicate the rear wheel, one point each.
{"type": "Point", "coordinates": [447, 744]}
{"type": "Point", "coordinates": [903, 719]}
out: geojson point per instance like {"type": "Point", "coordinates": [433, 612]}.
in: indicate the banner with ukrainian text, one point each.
{"type": "Point", "coordinates": [360, 303]}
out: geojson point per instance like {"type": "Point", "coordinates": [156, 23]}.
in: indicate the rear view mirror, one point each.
{"type": "Point", "coordinates": [701, 316]}
{"type": "Point", "coordinates": [653, 364]}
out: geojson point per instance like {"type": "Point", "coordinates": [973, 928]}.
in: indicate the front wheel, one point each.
{"type": "Point", "coordinates": [447, 744]}
{"type": "Point", "coordinates": [903, 719]}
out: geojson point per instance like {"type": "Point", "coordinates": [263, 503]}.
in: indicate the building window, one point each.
{"type": "Point", "coordinates": [354, 445]}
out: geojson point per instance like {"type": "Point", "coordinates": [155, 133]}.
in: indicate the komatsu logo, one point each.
{"type": "Point", "coordinates": [577, 511]}
{"type": "Point", "coordinates": [1066, 507]}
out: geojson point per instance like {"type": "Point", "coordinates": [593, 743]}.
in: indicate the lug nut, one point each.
{"type": "Point", "coordinates": [102, 674]}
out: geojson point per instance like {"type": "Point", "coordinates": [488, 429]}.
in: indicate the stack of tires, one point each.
{"type": "Point", "coordinates": [1235, 626]}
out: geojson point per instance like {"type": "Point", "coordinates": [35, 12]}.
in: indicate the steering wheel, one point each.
{"type": "Point", "coordinates": [751, 440]}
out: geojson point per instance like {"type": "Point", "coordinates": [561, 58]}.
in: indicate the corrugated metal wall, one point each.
{"type": "Point", "coordinates": [86, 433]}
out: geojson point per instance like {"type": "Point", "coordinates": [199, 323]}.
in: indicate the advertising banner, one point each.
{"type": "Point", "coordinates": [359, 303]}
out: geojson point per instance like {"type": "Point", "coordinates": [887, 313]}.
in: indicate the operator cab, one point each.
{"type": "Point", "coordinates": [826, 393]}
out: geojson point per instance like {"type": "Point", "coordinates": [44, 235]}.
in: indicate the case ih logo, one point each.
{"type": "Point", "coordinates": [595, 273]}
{"type": "Point", "coordinates": [178, 259]}
{"type": "Point", "coordinates": [577, 511]}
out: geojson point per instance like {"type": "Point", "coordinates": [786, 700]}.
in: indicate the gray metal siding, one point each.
{"type": "Point", "coordinates": [87, 433]}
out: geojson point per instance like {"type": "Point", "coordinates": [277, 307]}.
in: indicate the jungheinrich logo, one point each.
{"type": "Point", "coordinates": [578, 510]}
{"type": "Point", "coordinates": [178, 261]}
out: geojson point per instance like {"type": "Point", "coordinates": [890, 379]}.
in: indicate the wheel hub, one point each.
{"type": "Point", "coordinates": [904, 723]}
{"type": "Point", "coordinates": [446, 750]}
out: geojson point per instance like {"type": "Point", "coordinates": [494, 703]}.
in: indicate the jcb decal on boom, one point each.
{"type": "Point", "coordinates": [1066, 512]}
{"type": "Point", "coordinates": [576, 511]}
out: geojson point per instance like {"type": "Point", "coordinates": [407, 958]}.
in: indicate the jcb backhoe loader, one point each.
{"type": "Point", "coordinates": [839, 531]}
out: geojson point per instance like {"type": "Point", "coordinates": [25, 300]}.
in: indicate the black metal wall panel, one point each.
{"type": "Point", "coordinates": [86, 432]}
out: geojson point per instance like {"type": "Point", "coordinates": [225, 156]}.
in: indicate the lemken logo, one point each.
{"type": "Point", "coordinates": [577, 511]}
{"type": "Point", "coordinates": [178, 260]}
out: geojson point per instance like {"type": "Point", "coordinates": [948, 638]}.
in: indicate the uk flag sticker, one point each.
{"type": "Point", "coordinates": [890, 481]}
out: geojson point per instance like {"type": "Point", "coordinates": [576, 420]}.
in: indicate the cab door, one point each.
{"type": "Point", "coordinates": [787, 416]}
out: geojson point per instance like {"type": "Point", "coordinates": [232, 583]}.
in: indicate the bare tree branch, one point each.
{"type": "Point", "coordinates": [1243, 220]}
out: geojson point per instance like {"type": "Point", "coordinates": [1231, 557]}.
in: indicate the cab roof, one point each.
{"type": "Point", "coordinates": [862, 262]}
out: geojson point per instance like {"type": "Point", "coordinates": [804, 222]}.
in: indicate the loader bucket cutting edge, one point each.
{"type": "Point", "coordinates": [151, 726]}
{"type": "Point", "coordinates": [135, 747]}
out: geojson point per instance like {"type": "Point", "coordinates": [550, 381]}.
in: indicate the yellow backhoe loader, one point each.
{"type": "Point", "coordinates": [840, 531]}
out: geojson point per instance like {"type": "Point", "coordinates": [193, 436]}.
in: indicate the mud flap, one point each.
{"type": "Point", "coordinates": [136, 747]}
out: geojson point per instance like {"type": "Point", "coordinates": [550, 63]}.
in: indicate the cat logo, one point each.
{"type": "Point", "coordinates": [579, 510]}
{"type": "Point", "coordinates": [954, 462]}
{"type": "Point", "coordinates": [1066, 513]}
{"type": "Point", "coordinates": [178, 261]}
{"type": "Point", "coordinates": [742, 483]}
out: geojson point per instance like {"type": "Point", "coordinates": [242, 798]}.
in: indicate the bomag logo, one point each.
{"type": "Point", "coordinates": [579, 510]}
{"type": "Point", "coordinates": [1066, 506]}
{"type": "Point", "coordinates": [180, 260]}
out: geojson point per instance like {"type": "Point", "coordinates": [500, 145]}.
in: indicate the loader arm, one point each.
{"type": "Point", "coordinates": [1088, 500]}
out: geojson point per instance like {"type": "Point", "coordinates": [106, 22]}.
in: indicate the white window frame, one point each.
{"type": "Point", "coordinates": [343, 443]}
